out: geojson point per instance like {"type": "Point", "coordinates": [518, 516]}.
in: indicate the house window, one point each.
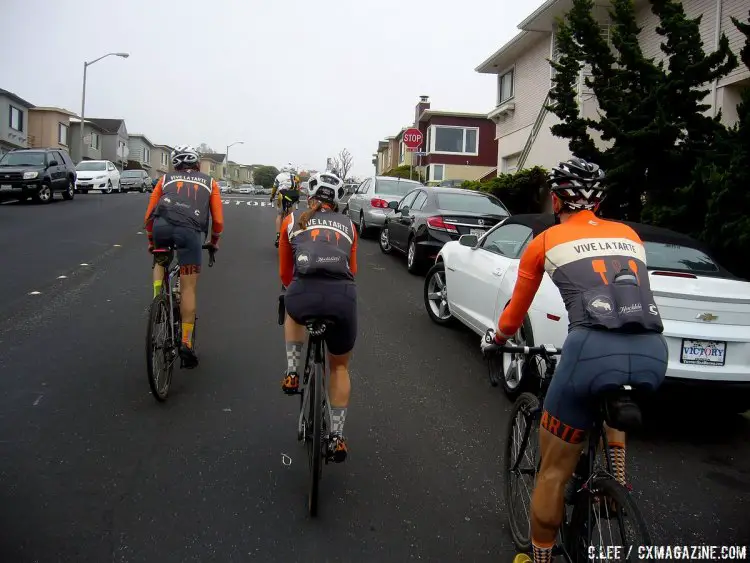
{"type": "Point", "coordinates": [435, 172]}
{"type": "Point", "coordinates": [401, 152]}
{"type": "Point", "coordinates": [236, 173]}
{"type": "Point", "coordinates": [454, 140]}
{"type": "Point", "coordinates": [146, 154]}
{"type": "Point", "coordinates": [505, 86]}
{"type": "Point", "coordinates": [62, 134]}
{"type": "Point", "coordinates": [16, 118]}
{"type": "Point", "coordinates": [94, 140]}
{"type": "Point", "coordinates": [211, 168]}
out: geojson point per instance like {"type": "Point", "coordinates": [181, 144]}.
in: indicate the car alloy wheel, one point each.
{"type": "Point", "coordinates": [437, 295]}
{"type": "Point", "coordinates": [45, 194]}
{"type": "Point", "coordinates": [109, 187]}
{"type": "Point", "coordinates": [362, 226]}
{"type": "Point", "coordinates": [411, 254]}
{"type": "Point", "coordinates": [385, 241]}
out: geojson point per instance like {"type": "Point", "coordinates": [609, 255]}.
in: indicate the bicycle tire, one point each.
{"type": "Point", "coordinates": [160, 304]}
{"type": "Point", "coordinates": [315, 443]}
{"type": "Point", "coordinates": [520, 528]}
{"type": "Point", "coordinates": [577, 538]}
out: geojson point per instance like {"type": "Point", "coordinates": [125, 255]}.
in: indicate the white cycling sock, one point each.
{"type": "Point", "coordinates": [293, 356]}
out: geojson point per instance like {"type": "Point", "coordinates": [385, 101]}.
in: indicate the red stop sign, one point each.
{"type": "Point", "coordinates": [413, 138]}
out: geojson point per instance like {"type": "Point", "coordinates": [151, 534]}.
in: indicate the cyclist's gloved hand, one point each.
{"type": "Point", "coordinates": [492, 340]}
{"type": "Point", "coordinates": [150, 243]}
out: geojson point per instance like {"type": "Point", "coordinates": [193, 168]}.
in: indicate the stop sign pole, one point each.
{"type": "Point", "coordinates": [412, 139]}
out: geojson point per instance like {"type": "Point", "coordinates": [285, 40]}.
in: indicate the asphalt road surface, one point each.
{"type": "Point", "coordinates": [92, 469]}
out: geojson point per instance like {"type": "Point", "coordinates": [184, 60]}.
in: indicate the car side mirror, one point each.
{"type": "Point", "coordinates": [52, 163]}
{"type": "Point", "coordinates": [468, 240]}
{"type": "Point", "coordinates": [393, 205]}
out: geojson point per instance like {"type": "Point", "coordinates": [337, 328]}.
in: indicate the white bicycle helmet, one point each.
{"type": "Point", "coordinates": [185, 156]}
{"type": "Point", "coordinates": [325, 187]}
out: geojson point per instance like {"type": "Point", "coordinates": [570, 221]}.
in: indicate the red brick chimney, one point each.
{"type": "Point", "coordinates": [424, 103]}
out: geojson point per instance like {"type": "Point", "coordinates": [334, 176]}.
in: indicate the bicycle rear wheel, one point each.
{"type": "Point", "coordinates": [160, 348]}
{"type": "Point", "coordinates": [521, 465]}
{"type": "Point", "coordinates": [315, 438]}
{"type": "Point", "coordinates": [604, 515]}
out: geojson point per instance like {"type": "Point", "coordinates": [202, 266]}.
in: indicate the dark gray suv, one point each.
{"type": "Point", "coordinates": [37, 173]}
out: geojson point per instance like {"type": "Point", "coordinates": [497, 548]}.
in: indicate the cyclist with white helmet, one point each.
{"type": "Point", "coordinates": [317, 265]}
{"type": "Point", "coordinates": [178, 216]}
{"type": "Point", "coordinates": [286, 185]}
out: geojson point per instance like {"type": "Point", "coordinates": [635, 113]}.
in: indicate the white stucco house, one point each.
{"type": "Point", "coordinates": [524, 75]}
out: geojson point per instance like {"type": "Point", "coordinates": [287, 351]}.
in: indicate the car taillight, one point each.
{"type": "Point", "coordinates": [379, 203]}
{"type": "Point", "coordinates": [439, 224]}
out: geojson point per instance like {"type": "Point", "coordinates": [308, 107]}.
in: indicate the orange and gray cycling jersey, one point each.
{"type": "Point", "coordinates": [600, 269]}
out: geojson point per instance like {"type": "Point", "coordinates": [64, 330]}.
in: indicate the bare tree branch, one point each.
{"type": "Point", "coordinates": [343, 163]}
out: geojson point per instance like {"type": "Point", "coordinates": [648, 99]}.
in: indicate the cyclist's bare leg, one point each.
{"type": "Point", "coordinates": [339, 389]}
{"type": "Point", "coordinates": [188, 285]}
{"type": "Point", "coordinates": [158, 278]}
{"type": "Point", "coordinates": [559, 460]}
{"type": "Point", "coordinates": [294, 339]}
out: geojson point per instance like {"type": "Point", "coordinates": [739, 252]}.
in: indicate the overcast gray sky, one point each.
{"type": "Point", "coordinates": [296, 80]}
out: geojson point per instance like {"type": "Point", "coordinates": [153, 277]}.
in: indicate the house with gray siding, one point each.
{"type": "Point", "coordinates": [161, 161]}
{"type": "Point", "coordinates": [524, 75]}
{"type": "Point", "coordinates": [14, 121]}
{"type": "Point", "coordinates": [114, 140]}
{"type": "Point", "coordinates": [140, 152]}
{"type": "Point", "coordinates": [92, 140]}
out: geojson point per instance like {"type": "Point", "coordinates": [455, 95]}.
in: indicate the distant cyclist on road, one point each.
{"type": "Point", "coordinates": [317, 265]}
{"type": "Point", "coordinates": [614, 333]}
{"type": "Point", "coordinates": [286, 192]}
{"type": "Point", "coordinates": [177, 215]}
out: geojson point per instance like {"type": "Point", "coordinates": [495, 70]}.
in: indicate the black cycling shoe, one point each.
{"type": "Point", "coordinates": [188, 357]}
{"type": "Point", "coordinates": [276, 244]}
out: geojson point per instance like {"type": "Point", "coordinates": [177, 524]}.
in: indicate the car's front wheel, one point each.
{"type": "Point", "coordinates": [436, 295]}
{"type": "Point", "coordinates": [514, 371]}
{"type": "Point", "coordinates": [109, 187]}
{"type": "Point", "coordinates": [385, 240]}
{"type": "Point", "coordinates": [44, 195]}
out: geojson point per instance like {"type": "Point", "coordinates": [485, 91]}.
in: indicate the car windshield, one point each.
{"type": "Point", "coordinates": [89, 166]}
{"type": "Point", "coordinates": [394, 187]}
{"type": "Point", "coordinates": [661, 256]}
{"type": "Point", "coordinates": [471, 203]}
{"type": "Point", "coordinates": [23, 159]}
{"type": "Point", "coordinates": [131, 174]}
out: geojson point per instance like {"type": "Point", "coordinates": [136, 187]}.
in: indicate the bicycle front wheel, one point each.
{"type": "Point", "coordinates": [605, 515]}
{"type": "Point", "coordinates": [521, 465]}
{"type": "Point", "coordinates": [315, 439]}
{"type": "Point", "coordinates": [160, 348]}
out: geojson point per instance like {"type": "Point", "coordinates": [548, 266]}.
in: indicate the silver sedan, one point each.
{"type": "Point", "coordinates": [368, 205]}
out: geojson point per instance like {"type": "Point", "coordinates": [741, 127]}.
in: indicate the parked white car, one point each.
{"type": "Point", "coordinates": [99, 175]}
{"type": "Point", "coordinates": [704, 308]}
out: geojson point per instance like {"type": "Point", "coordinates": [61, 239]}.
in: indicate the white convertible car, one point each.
{"type": "Point", "coordinates": [705, 309]}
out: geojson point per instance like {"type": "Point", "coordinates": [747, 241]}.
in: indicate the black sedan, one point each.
{"type": "Point", "coordinates": [428, 217]}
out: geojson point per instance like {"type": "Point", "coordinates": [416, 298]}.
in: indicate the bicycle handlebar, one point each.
{"type": "Point", "coordinates": [542, 350]}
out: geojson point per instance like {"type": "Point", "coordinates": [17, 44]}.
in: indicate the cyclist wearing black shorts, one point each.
{"type": "Point", "coordinates": [178, 216]}
{"type": "Point", "coordinates": [317, 265]}
{"type": "Point", "coordinates": [614, 335]}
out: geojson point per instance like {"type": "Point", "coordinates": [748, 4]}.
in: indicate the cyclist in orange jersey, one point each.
{"type": "Point", "coordinates": [614, 334]}
{"type": "Point", "coordinates": [317, 265]}
{"type": "Point", "coordinates": [178, 215]}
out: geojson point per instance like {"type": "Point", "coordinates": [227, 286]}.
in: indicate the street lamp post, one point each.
{"type": "Point", "coordinates": [227, 174]}
{"type": "Point", "coordinates": [83, 95]}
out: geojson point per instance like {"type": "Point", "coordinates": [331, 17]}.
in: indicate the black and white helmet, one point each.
{"type": "Point", "coordinates": [578, 184]}
{"type": "Point", "coordinates": [185, 156]}
{"type": "Point", "coordinates": [325, 187]}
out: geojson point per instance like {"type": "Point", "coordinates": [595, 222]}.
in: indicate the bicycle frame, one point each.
{"type": "Point", "coordinates": [316, 350]}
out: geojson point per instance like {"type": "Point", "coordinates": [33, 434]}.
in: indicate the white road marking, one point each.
{"type": "Point", "coordinates": [117, 245]}
{"type": "Point", "coordinates": [139, 233]}
{"type": "Point", "coordinates": [39, 398]}
{"type": "Point", "coordinates": [35, 293]}
{"type": "Point", "coordinates": [286, 460]}
{"type": "Point", "coordinates": [84, 264]}
{"type": "Point", "coordinates": [61, 277]}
